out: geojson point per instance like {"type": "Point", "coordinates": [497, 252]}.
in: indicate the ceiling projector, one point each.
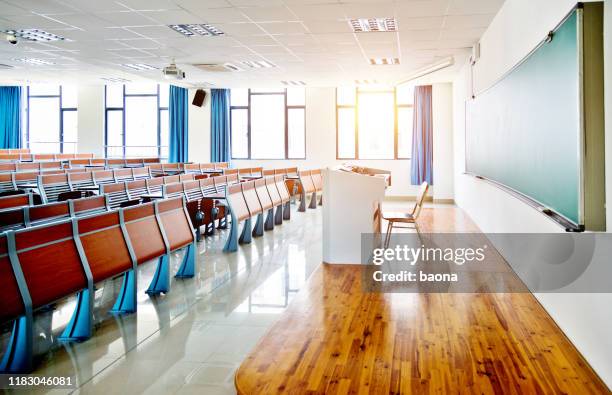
{"type": "Point", "coordinates": [172, 72]}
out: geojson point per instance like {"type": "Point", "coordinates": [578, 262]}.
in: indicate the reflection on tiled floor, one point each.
{"type": "Point", "coordinates": [192, 339]}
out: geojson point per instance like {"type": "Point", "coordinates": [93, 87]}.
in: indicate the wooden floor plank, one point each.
{"type": "Point", "coordinates": [336, 339]}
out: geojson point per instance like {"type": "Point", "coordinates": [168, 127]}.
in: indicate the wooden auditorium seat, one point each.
{"type": "Point", "coordinates": [135, 189]}
{"type": "Point", "coordinates": [117, 195]}
{"type": "Point", "coordinates": [281, 186]}
{"type": "Point", "coordinates": [12, 218]}
{"type": "Point", "coordinates": [239, 211]}
{"type": "Point", "coordinates": [179, 232]}
{"type": "Point", "coordinates": [122, 175]}
{"type": "Point", "coordinates": [307, 189]}
{"type": "Point", "coordinates": [13, 201]}
{"type": "Point", "coordinates": [141, 173]}
{"type": "Point", "coordinates": [154, 185]}
{"type": "Point", "coordinates": [254, 206]}
{"type": "Point", "coordinates": [8, 167]}
{"type": "Point", "coordinates": [81, 180]}
{"type": "Point", "coordinates": [55, 187]}
{"type": "Point", "coordinates": [275, 196]}
{"type": "Point", "coordinates": [266, 203]}
{"type": "Point", "coordinates": [102, 177]}
{"type": "Point", "coordinates": [7, 184]}
{"type": "Point", "coordinates": [88, 205]}
{"type": "Point", "coordinates": [115, 163]}
{"type": "Point", "coordinates": [172, 190]}
{"type": "Point", "coordinates": [317, 180]}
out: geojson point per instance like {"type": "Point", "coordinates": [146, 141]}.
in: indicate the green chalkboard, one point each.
{"type": "Point", "coordinates": [524, 132]}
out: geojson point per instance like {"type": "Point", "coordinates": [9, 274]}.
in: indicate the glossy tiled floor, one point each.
{"type": "Point", "coordinates": [192, 339]}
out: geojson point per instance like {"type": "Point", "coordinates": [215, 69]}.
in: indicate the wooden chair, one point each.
{"type": "Point", "coordinates": [117, 195]}
{"type": "Point", "coordinates": [122, 175]}
{"type": "Point", "coordinates": [135, 189]}
{"type": "Point", "coordinates": [239, 211]}
{"type": "Point", "coordinates": [8, 167]}
{"type": "Point", "coordinates": [88, 205]}
{"type": "Point", "coordinates": [409, 219]}
{"type": "Point", "coordinates": [178, 232]}
{"type": "Point", "coordinates": [7, 184]}
{"type": "Point", "coordinates": [255, 208]}
{"type": "Point", "coordinates": [307, 189]}
{"type": "Point", "coordinates": [141, 173]}
{"type": "Point", "coordinates": [56, 187]}
{"type": "Point", "coordinates": [155, 185]}
{"type": "Point", "coordinates": [276, 199]}
{"type": "Point", "coordinates": [102, 177]}
{"type": "Point", "coordinates": [47, 213]}
{"type": "Point", "coordinates": [266, 203]}
{"type": "Point", "coordinates": [284, 194]}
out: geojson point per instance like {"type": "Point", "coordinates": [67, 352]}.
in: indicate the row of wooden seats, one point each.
{"type": "Point", "coordinates": [205, 168]}
{"type": "Point", "coordinates": [162, 169]}
{"type": "Point", "coordinates": [30, 166]}
{"type": "Point", "coordinates": [42, 157]}
{"type": "Point", "coordinates": [310, 184]}
{"type": "Point", "coordinates": [5, 151]}
{"type": "Point", "coordinates": [10, 182]}
{"type": "Point", "coordinates": [253, 199]}
{"type": "Point", "coordinates": [26, 215]}
{"type": "Point", "coordinates": [13, 201]}
{"type": "Point", "coordinates": [56, 187]}
{"type": "Point", "coordinates": [41, 265]}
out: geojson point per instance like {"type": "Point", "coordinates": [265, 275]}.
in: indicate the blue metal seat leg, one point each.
{"type": "Point", "coordinates": [80, 326]}
{"type": "Point", "coordinates": [126, 301]}
{"type": "Point", "coordinates": [245, 236]}
{"type": "Point", "coordinates": [160, 283]}
{"type": "Point", "coordinates": [187, 268]}
{"type": "Point", "coordinates": [231, 245]}
{"type": "Point", "coordinates": [270, 220]}
{"type": "Point", "coordinates": [258, 229]}
{"type": "Point", "coordinates": [18, 355]}
{"type": "Point", "coordinates": [278, 218]}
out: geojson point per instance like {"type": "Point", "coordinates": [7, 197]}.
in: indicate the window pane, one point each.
{"type": "Point", "coordinates": [268, 90]}
{"type": "Point", "coordinates": [346, 133]}
{"type": "Point", "coordinates": [297, 140]}
{"type": "Point", "coordinates": [114, 136]}
{"type": "Point", "coordinates": [44, 125]}
{"type": "Point", "coordinates": [114, 95]}
{"type": "Point", "coordinates": [268, 127]}
{"type": "Point", "coordinates": [164, 126]}
{"type": "Point", "coordinates": [405, 94]}
{"type": "Point", "coordinates": [376, 126]}
{"type": "Point", "coordinates": [296, 96]}
{"type": "Point", "coordinates": [69, 96]}
{"type": "Point", "coordinates": [239, 97]}
{"type": "Point", "coordinates": [240, 133]}
{"type": "Point", "coordinates": [164, 93]}
{"type": "Point", "coordinates": [70, 125]}
{"type": "Point", "coordinates": [140, 126]}
{"type": "Point", "coordinates": [44, 90]}
{"type": "Point", "coordinates": [141, 89]}
{"type": "Point", "coordinates": [346, 96]}
{"type": "Point", "coordinates": [404, 132]}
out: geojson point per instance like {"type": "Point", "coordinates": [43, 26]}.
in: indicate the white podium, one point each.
{"type": "Point", "coordinates": [351, 206]}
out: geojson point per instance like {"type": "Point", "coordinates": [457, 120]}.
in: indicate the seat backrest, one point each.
{"type": "Point", "coordinates": [115, 163]}
{"type": "Point", "coordinates": [228, 172]}
{"type": "Point", "coordinates": [257, 171]}
{"type": "Point", "coordinates": [81, 179]}
{"type": "Point", "coordinates": [104, 245]}
{"type": "Point", "coordinates": [173, 190]}
{"type": "Point", "coordinates": [232, 179]}
{"type": "Point", "coordinates": [221, 165]}
{"type": "Point", "coordinates": [6, 182]}
{"type": "Point", "coordinates": [244, 171]}
{"type": "Point", "coordinates": [29, 166]}
{"type": "Point", "coordinates": [144, 232]}
{"type": "Point", "coordinates": [156, 168]}
{"type": "Point", "coordinates": [269, 172]}
{"type": "Point", "coordinates": [420, 199]}
{"type": "Point", "coordinates": [282, 188]}
{"type": "Point", "coordinates": [150, 160]}
{"type": "Point", "coordinates": [13, 218]}
{"type": "Point", "coordinates": [84, 156]}
{"type": "Point", "coordinates": [317, 179]}
{"type": "Point", "coordinates": [154, 185]}
{"type": "Point", "coordinates": [172, 179]}
{"type": "Point", "coordinates": [134, 161]}
{"type": "Point", "coordinates": [97, 162]}
{"type": "Point", "coordinates": [220, 183]}
{"type": "Point", "coordinates": [45, 213]}
{"type": "Point", "coordinates": [26, 177]}
{"type": "Point", "coordinates": [292, 171]}
{"type": "Point", "coordinates": [207, 185]}
{"type": "Point", "coordinates": [51, 186]}
{"type": "Point", "coordinates": [117, 194]}
{"type": "Point", "coordinates": [250, 197]}
{"type": "Point", "coordinates": [192, 190]}
{"type": "Point", "coordinates": [186, 177]}
{"type": "Point", "coordinates": [51, 166]}
{"type": "Point", "coordinates": [123, 175]}
{"type": "Point", "coordinates": [272, 190]}
{"type": "Point", "coordinates": [50, 262]}
{"type": "Point", "coordinates": [263, 195]}
{"type": "Point", "coordinates": [78, 162]}
{"type": "Point", "coordinates": [43, 157]}
{"type": "Point", "coordinates": [8, 167]}
{"type": "Point", "coordinates": [88, 205]}
{"type": "Point", "coordinates": [11, 303]}
{"type": "Point", "coordinates": [193, 168]}
{"type": "Point", "coordinates": [306, 181]}
{"type": "Point", "coordinates": [136, 189]}
{"type": "Point", "coordinates": [64, 156]}
{"type": "Point", "coordinates": [280, 172]}
{"type": "Point", "coordinates": [103, 177]}
{"type": "Point", "coordinates": [141, 173]}
{"type": "Point", "coordinates": [13, 201]}
{"type": "Point", "coordinates": [10, 157]}
{"type": "Point", "coordinates": [237, 203]}
{"type": "Point", "coordinates": [176, 223]}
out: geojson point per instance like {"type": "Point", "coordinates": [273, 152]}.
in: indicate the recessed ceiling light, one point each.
{"type": "Point", "coordinates": [294, 83]}
{"type": "Point", "coordinates": [363, 25]}
{"type": "Point", "coordinates": [384, 61]}
{"type": "Point", "coordinates": [115, 80]}
{"type": "Point", "coordinates": [35, 35]}
{"type": "Point", "coordinates": [139, 66]}
{"type": "Point", "coordinates": [34, 61]}
{"type": "Point", "coordinates": [191, 30]}
{"type": "Point", "coordinates": [258, 64]}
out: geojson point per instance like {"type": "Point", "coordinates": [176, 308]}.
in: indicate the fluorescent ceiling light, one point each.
{"type": "Point", "coordinates": [36, 35]}
{"type": "Point", "coordinates": [258, 64]}
{"type": "Point", "coordinates": [294, 83]}
{"type": "Point", "coordinates": [115, 80]}
{"type": "Point", "coordinates": [364, 25]}
{"type": "Point", "coordinates": [384, 61]}
{"type": "Point", "coordinates": [34, 61]}
{"type": "Point", "coordinates": [139, 66]}
{"type": "Point", "coordinates": [191, 30]}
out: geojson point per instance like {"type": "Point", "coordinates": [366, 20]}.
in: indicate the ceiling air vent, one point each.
{"type": "Point", "coordinates": [192, 30]}
{"type": "Point", "coordinates": [365, 25]}
{"type": "Point", "coordinates": [384, 61]}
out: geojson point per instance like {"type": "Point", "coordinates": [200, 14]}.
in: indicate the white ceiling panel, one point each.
{"type": "Point", "coordinates": [256, 3]}
{"type": "Point", "coordinates": [467, 21]}
{"type": "Point", "coordinates": [33, 22]}
{"type": "Point", "coordinates": [240, 29]}
{"type": "Point", "coordinates": [422, 8]}
{"type": "Point", "coordinates": [8, 9]}
{"type": "Point", "coordinates": [82, 21]}
{"type": "Point", "coordinates": [327, 27]}
{"type": "Point", "coordinates": [41, 7]}
{"type": "Point", "coordinates": [369, 10]}
{"type": "Point", "coordinates": [171, 17]}
{"type": "Point", "coordinates": [150, 5]}
{"type": "Point", "coordinates": [465, 7]}
{"type": "Point", "coordinates": [154, 32]}
{"type": "Point", "coordinates": [94, 6]}
{"type": "Point", "coordinates": [269, 14]}
{"type": "Point", "coordinates": [217, 15]}
{"type": "Point", "coordinates": [126, 18]}
{"type": "Point", "coordinates": [433, 22]}
{"type": "Point", "coordinates": [318, 12]}
{"type": "Point", "coordinates": [283, 27]}
{"type": "Point", "coordinates": [202, 4]}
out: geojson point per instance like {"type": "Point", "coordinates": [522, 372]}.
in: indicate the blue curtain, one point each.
{"type": "Point", "coordinates": [220, 147]}
{"type": "Point", "coordinates": [10, 117]}
{"type": "Point", "coordinates": [422, 137]}
{"type": "Point", "coordinates": [179, 130]}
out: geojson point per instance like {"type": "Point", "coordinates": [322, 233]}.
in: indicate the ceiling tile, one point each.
{"type": "Point", "coordinates": [255, 3]}
{"type": "Point", "coordinates": [240, 29]}
{"type": "Point", "coordinates": [147, 5]}
{"type": "Point", "coordinates": [435, 22]}
{"type": "Point", "coordinates": [33, 22]}
{"type": "Point", "coordinates": [82, 21]}
{"type": "Point", "coordinates": [327, 27]}
{"type": "Point", "coordinates": [269, 14]}
{"type": "Point", "coordinates": [420, 8]}
{"type": "Point", "coordinates": [199, 3]}
{"type": "Point", "coordinates": [126, 18]}
{"type": "Point", "coordinates": [283, 27]}
{"type": "Point", "coordinates": [318, 12]}
{"type": "Point", "coordinates": [264, 39]}
{"type": "Point", "coordinates": [465, 7]}
{"type": "Point", "coordinates": [373, 10]}
{"type": "Point", "coordinates": [217, 15]}
{"type": "Point", "coordinates": [467, 21]}
{"type": "Point", "coordinates": [154, 31]}
{"type": "Point", "coordinates": [39, 7]}
{"type": "Point", "coordinates": [171, 17]}
{"type": "Point", "coordinates": [9, 9]}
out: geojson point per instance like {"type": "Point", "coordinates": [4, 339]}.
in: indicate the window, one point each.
{"type": "Point", "coordinates": [374, 123]}
{"type": "Point", "coordinates": [268, 124]}
{"type": "Point", "coordinates": [51, 113]}
{"type": "Point", "coordinates": [137, 122]}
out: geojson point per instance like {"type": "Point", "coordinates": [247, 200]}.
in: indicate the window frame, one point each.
{"type": "Point", "coordinates": [355, 108]}
{"type": "Point", "coordinates": [287, 109]}
{"type": "Point", "coordinates": [122, 109]}
{"type": "Point", "coordinates": [61, 111]}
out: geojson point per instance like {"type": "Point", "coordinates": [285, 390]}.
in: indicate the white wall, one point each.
{"type": "Point", "coordinates": [90, 117]}
{"type": "Point", "coordinates": [585, 318]}
{"type": "Point", "coordinates": [199, 130]}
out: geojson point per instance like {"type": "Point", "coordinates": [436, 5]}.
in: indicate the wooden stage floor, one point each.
{"type": "Point", "coordinates": [336, 339]}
